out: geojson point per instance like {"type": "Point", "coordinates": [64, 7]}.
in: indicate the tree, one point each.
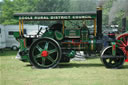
{"type": "Point", "coordinates": [7, 11]}
{"type": "Point", "coordinates": [82, 5]}
{"type": "Point", "coordinates": [118, 16]}
{"type": "Point", "coordinates": [52, 5]}
{"type": "Point", "coordinates": [18, 6]}
{"type": "Point", "coordinates": [1, 12]}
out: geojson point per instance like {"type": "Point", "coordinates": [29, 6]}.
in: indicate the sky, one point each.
{"type": "Point", "coordinates": [1, 0]}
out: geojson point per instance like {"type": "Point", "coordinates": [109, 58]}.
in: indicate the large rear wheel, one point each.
{"type": "Point", "coordinates": [45, 53]}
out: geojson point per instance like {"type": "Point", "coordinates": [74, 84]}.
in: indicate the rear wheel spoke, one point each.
{"type": "Point", "coordinates": [52, 51]}
{"type": "Point", "coordinates": [39, 48]}
{"type": "Point", "coordinates": [43, 60]}
{"type": "Point", "coordinates": [38, 56]}
{"type": "Point", "coordinates": [46, 45]}
{"type": "Point", "coordinates": [50, 58]}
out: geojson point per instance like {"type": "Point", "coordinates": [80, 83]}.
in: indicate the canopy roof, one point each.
{"type": "Point", "coordinates": [55, 15]}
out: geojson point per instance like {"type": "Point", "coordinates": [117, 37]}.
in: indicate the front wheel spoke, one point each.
{"type": "Point", "coordinates": [50, 58]}
{"type": "Point", "coordinates": [52, 51]}
{"type": "Point", "coordinates": [39, 48]}
{"type": "Point", "coordinates": [46, 45]}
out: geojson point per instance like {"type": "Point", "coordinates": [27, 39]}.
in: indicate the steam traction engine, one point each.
{"type": "Point", "coordinates": [59, 43]}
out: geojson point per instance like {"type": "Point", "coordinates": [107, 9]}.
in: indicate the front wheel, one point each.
{"type": "Point", "coordinates": [45, 53]}
{"type": "Point", "coordinates": [111, 61]}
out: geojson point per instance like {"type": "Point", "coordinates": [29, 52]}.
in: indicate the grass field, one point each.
{"type": "Point", "coordinates": [89, 72]}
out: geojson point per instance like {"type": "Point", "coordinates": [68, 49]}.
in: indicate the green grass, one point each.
{"type": "Point", "coordinates": [89, 72]}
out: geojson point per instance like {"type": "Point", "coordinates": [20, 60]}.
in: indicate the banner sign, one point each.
{"type": "Point", "coordinates": [53, 17]}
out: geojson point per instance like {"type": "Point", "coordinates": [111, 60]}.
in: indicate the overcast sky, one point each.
{"type": "Point", "coordinates": [1, 0]}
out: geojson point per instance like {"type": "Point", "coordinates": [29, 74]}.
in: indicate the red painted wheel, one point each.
{"type": "Point", "coordinates": [123, 44]}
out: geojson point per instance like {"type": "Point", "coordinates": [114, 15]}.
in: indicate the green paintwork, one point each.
{"type": "Point", "coordinates": [72, 54]}
{"type": "Point", "coordinates": [72, 33]}
{"type": "Point", "coordinates": [25, 58]}
{"type": "Point", "coordinates": [58, 35]}
{"type": "Point", "coordinates": [48, 34]}
{"type": "Point", "coordinates": [22, 47]}
{"type": "Point", "coordinates": [113, 48]}
{"type": "Point", "coordinates": [54, 16]}
{"type": "Point", "coordinates": [84, 35]}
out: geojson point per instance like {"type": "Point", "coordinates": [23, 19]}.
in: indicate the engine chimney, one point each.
{"type": "Point", "coordinates": [124, 24]}
{"type": "Point", "coordinates": [99, 23]}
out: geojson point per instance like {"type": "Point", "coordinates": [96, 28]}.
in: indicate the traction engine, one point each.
{"type": "Point", "coordinates": [60, 43]}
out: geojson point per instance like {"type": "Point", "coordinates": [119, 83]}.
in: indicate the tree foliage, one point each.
{"type": "Point", "coordinates": [82, 5]}
{"type": "Point", "coordinates": [17, 6]}
{"type": "Point", "coordinates": [9, 7]}
{"type": "Point", "coordinates": [52, 5]}
{"type": "Point", "coordinates": [118, 16]}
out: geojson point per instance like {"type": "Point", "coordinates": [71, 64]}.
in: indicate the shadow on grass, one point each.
{"type": "Point", "coordinates": [78, 65]}
{"type": "Point", "coordinates": [71, 65]}
{"type": "Point", "coordinates": [125, 67]}
{"type": "Point", "coordinates": [8, 52]}
{"type": "Point", "coordinates": [96, 65]}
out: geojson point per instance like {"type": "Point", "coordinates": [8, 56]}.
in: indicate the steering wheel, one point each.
{"type": "Point", "coordinates": [39, 31]}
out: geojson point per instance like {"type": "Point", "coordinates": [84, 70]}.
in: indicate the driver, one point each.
{"type": "Point", "coordinates": [57, 26]}
{"type": "Point", "coordinates": [84, 31]}
{"type": "Point", "coordinates": [84, 25]}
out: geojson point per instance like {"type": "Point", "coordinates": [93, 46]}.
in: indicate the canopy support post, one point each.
{"type": "Point", "coordinates": [63, 26]}
{"type": "Point", "coordinates": [20, 27]}
{"type": "Point", "coordinates": [95, 27]}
